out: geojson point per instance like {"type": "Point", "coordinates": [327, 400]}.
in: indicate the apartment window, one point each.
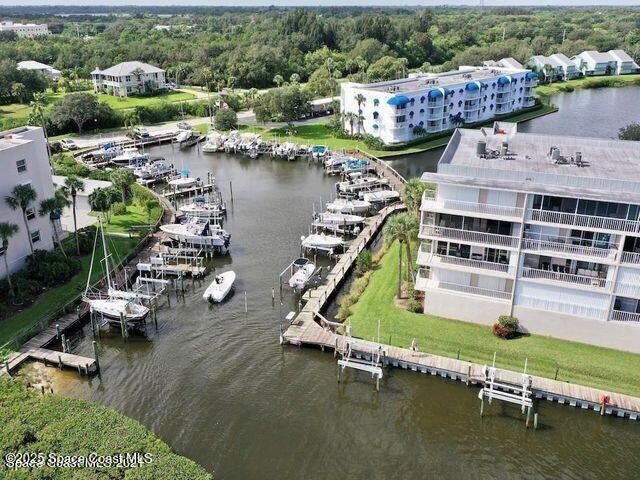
{"type": "Point", "coordinates": [31, 213]}
{"type": "Point", "coordinates": [401, 118]}
{"type": "Point", "coordinates": [494, 255]}
{"type": "Point", "coordinates": [35, 236]}
{"type": "Point", "coordinates": [21, 165]}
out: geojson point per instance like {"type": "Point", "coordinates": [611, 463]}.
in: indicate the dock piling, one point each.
{"type": "Point", "coordinates": [57, 331]}
{"type": "Point", "coordinates": [95, 354]}
{"type": "Point", "coordinates": [64, 344]}
{"type": "Point", "coordinates": [535, 421]}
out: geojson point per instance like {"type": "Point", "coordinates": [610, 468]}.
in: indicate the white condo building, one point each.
{"type": "Point", "coordinates": [613, 62]}
{"type": "Point", "coordinates": [25, 29]}
{"type": "Point", "coordinates": [557, 66]}
{"type": "Point", "coordinates": [24, 160]}
{"type": "Point", "coordinates": [545, 228]}
{"type": "Point", "coordinates": [128, 78]}
{"type": "Point", "coordinates": [392, 110]}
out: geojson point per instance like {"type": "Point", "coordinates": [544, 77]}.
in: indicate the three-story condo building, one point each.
{"type": "Point", "coordinates": [545, 228]}
{"type": "Point", "coordinates": [402, 110]}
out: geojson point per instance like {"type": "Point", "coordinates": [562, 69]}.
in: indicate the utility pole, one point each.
{"type": "Point", "coordinates": [564, 34]}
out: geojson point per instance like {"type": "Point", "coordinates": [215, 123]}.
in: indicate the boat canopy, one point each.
{"type": "Point", "coordinates": [435, 93]}
{"type": "Point", "coordinates": [185, 172]}
{"type": "Point", "coordinates": [471, 86]}
{"type": "Point", "coordinates": [398, 100]}
{"type": "Point", "coordinates": [504, 81]}
{"type": "Point", "coordinates": [530, 75]}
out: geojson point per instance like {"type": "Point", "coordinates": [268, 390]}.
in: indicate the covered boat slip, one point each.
{"type": "Point", "coordinates": [300, 274]}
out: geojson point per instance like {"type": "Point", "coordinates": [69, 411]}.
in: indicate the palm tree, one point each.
{"type": "Point", "coordinates": [37, 114]}
{"type": "Point", "coordinates": [73, 185]}
{"type": "Point", "coordinates": [351, 117]}
{"type": "Point", "coordinates": [413, 191]}
{"type": "Point", "coordinates": [53, 207]}
{"type": "Point", "coordinates": [21, 197]}
{"type": "Point", "coordinates": [7, 230]}
{"type": "Point", "coordinates": [457, 119]}
{"type": "Point", "coordinates": [403, 228]}
{"type": "Point", "coordinates": [360, 100]}
{"type": "Point", "coordinates": [138, 72]}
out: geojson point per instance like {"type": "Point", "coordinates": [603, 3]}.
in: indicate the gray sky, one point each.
{"type": "Point", "coordinates": [397, 3]}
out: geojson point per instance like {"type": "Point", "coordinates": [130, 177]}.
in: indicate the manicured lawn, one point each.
{"type": "Point", "coordinates": [578, 363]}
{"type": "Point", "coordinates": [68, 426]}
{"type": "Point", "coordinates": [587, 82]}
{"type": "Point", "coordinates": [135, 217]}
{"type": "Point", "coordinates": [118, 103]}
{"type": "Point", "coordinates": [54, 298]}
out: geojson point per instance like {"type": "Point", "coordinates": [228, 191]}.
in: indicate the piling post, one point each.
{"type": "Point", "coordinates": [481, 406]}
{"type": "Point", "coordinates": [123, 327]}
{"type": "Point", "coordinates": [377, 383]}
{"type": "Point", "coordinates": [79, 370]}
{"type": "Point", "coordinates": [95, 354]}
{"type": "Point", "coordinates": [535, 421]}
{"type": "Point", "coordinates": [231, 190]}
{"type": "Point", "coordinates": [529, 417]}
{"type": "Point", "coordinates": [154, 314]}
{"type": "Point", "coordinates": [6, 365]}
{"type": "Point", "coordinates": [60, 361]}
{"type": "Point", "coordinates": [64, 344]}
{"type": "Point", "coordinates": [57, 331]}
{"type": "Point", "coordinates": [245, 302]}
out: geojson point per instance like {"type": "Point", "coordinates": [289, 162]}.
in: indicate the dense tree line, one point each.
{"type": "Point", "coordinates": [249, 48]}
{"type": "Point", "coordinates": [19, 85]}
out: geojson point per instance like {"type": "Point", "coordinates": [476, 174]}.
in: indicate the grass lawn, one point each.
{"type": "Point", "coordinates": [54, 298]}
{"type": "Point", "coordinates": [318, 134]}
{"type": "Point", "coordinates": [578, 363]}
{"type": "Point", "coordinates": [546, 90]}
{"type": "Point", "coordinates": [135, 217]}
{"type": "Point", "coordinates": [118, 103]}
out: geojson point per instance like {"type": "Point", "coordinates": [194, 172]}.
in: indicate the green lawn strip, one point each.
{"type": "Point", "coordinates": [578, 363]}
{"type": "Point", "coordinates": [545, 90]}
{"type": "Point", "coordinates": [54, 298]}
{"type": "Point", "coordinates": [71, 427]}
{"type": "Point", "coordinates": [135, 217]}
{"type": "Point", "coordinates": [118, 103]}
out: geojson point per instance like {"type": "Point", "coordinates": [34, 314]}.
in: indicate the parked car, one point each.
{"type": "Point", "coordinates": [142, 132]}
{"type": "Point", "coordinates": [184, 126]}
{"type": "Point", "coordinates": [68, 144]}
{"type": "Point", "coordinates": [170, 86]}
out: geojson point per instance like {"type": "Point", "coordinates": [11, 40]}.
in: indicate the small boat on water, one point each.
{"type": "Point", "coordinates": [355, 166]}
{"type": "Point", "coordinates": [319, 151]}
{"type": "Point", "coordinates": [182, 180]}
{"type": "Point", "coordinates": [358, 181]}
{"type": "Point", "coordinates": [198, 232]}
{"type": "Point", "coordinates": [130, 156]}
{"type": "Point", "coordinates": [209, 208]}
{"type": "Point", "coordinates": [381, 196]}
{"type": "Point", "coordinates": [333, 164]}
{"type": "Point", "coordinates": [317, 241]}
{"type": "Point", "coordinates": [348, 206]}
{"type": "Point", "coordinates": [220, 287]}
{"type": "Point", "coordinates": [303, 270]}
{"type": "Point", "coordinates": [155, 169]}
{"type": "Point", "coordinates": [340, 219]}
{"type": "Point", "coordinates": [214, 142]}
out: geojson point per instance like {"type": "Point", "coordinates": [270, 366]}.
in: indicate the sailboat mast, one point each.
{"type": "Point", "coordinates": [106, 256]}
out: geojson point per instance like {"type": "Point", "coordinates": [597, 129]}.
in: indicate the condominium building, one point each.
{"type": "Point", "coordinates": [42, 68]}
{"type": "Point", "coordinates": [542, 227]}
{"type": "Point", "coordinates": [554, 67]}
{"type": "Point", "coordinates": [618, 62]}
{"type": "Point", "coordinates": [399, 111]}
{"type": "Point", "coordinates": [24, 29]}
{"type": "Point", "coordinates": [128, 78]}
{"type": "Point", "coordinates": [24, 160]}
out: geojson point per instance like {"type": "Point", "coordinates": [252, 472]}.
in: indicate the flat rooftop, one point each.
{"type": "Point", "coordinates": [15, 137]}
{"type": "Point", "coordinates": [424, 81]}
{"type": "Point", "coordinates": [530, 152]}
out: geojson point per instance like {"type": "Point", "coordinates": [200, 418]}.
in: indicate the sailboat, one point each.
{"type": "Point", "coordinates": [116, 305]}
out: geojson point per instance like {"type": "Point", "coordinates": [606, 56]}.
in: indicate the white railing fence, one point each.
{"type": "Point", "coordinates": [469, 236]}
{"type": "Point", "coordinates": [587, 281]}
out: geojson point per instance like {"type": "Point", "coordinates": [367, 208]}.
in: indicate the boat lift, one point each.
{"type": "Point", "coordinates": [373, 366]}
{"type": "Point", "coordinates": [287, 273]}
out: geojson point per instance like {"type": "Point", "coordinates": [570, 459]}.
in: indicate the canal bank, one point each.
{"type": "Point", "coordinates": [213, 382]}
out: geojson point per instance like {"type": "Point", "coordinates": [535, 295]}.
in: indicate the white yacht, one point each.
{"type": "Point", "coordinates": [303, 270]}
{"type": "Point", "coordinates": [317, 241]}
{"type": "Point", "coordinates": [184, 136]}
{"type": "Point", "coordinates": [214, 142]}
{"type": "Point", "coordinates": [209, 208]}
{"type": "Point", "coordinates": [130, 156]}
{"type": "Point", "coordinates": [358, 181]}
{"type": "Point", "coordinates": [155, 169]}
{"type": "Point", "coordinates": [183, 180]}
{"type": "Point", "coordinates": [340, 219]}
{"type": "Point", "coordinates": [114, 305]}
{"type": "Point", "coordinates": [198, 232]}
{"type": "Point", "coordinates": [381, 196]}
{"type": "Point", "coordinates": [348, 206]}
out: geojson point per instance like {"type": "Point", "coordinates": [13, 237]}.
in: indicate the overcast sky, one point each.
{"type": "Point", "coordinates": [397, 3]}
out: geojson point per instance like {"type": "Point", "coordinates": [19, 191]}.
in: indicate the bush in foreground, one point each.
{"type": "Point", "coordinates": [66, 426]}
{"type": "Point", "coordinates": [506, 327]}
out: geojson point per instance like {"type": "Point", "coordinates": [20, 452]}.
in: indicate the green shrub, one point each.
{"type": "Point", "coordinates": [415, 305]}
{"type": "Point", "coordinates": [119, 208]}
{"type": "Point", "coordinates": [506, 327]}
{"type": "Point", "coordinates": [343, 313]}
{"type": "Point", "coordinates": [364, 262]}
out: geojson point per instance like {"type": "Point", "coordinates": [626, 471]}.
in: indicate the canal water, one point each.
{"type": "Point", "coordinates": [213, 382]}
{"type": "Point", "coordinates": [596, 112]}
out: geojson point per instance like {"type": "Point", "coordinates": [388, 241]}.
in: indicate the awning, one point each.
{"type": "Point", "coordinates": [398, 100]}
{"type": "Point", "coordinates": [436, 93]}
{"type": "Point", "coordinates": [504, 81]}
{"type": "Point", "coordinates": [471, 86]}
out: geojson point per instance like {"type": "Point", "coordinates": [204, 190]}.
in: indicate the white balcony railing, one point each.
{"type": "Point", "coordinates": [422, 279]}
{"type": "Point", "coordinates": [469, 236]}
{"type": "Point", "coordinates": [561, 307]}
{"type": "Point", "coordinates": [620, 316]}
{"type": "Point", "coordinates": [568, 248]}
{"type": "Point", "coordinates": [630, 257]}
{"type": "Point", "coordinates": [588, 221]}
{"type": "Point", "coordinates": [627, 290]}
{"type": "Point", "coordinates": [483, 208]}
{"type": "Point", "coordinates": [570, 278]}
{"type": "Point", "coordinates": [483, 292]}
{"type": "Point", "coordinates": [471, 263]}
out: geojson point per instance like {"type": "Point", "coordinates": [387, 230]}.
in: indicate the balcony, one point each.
{"type": "Point", "coordinates": [566, 278]}
{"type": "Point", "coordinates": [431, 204]}
{"type": "Point", "coordinates": [566, 308]}
{"type": "Point", "coordinates": [627, 290]}
{"type": "Point", "coordinates": [630, 257]}
{"type": "Point", "coordinates": [531, 82]}
{"type": "Point", "coordinates": [482, 292]}
{"type": "Point", "coordinates": [422, 279]}
{"type": "Point", "coordinates": [470, 263]}
{"type": "Point", "coordinates": [469, 236]}
{"type": "Point", "coordinates": [550, 245]}
{"type": "Point", "coordinates": [585, 221]}
{"type": "Point", "coordinates": [620, 316]}
{"type": "Point", "coordinates": [529, 102]}
{"type": "Point", "coordinates": [435, 114]}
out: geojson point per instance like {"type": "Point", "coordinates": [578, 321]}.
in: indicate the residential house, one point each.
{"type": "Point", "coordinates": [129, 78]}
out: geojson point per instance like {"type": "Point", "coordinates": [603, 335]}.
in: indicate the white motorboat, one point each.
{"type": "Point", "coordinates": [357, 182]}
{"type": "Point", "coordinates": [115, 305]}
{"type": "Point", "coordinates": [182, 180]}
{"type": "Point", "coordinates": [348, 206]}
{"type": "Point", "coordinates": [184, 136]}
{"type": "Point", "coordinates": [153, 170]}
{"type": "Point", "coordinates": [130, 156]}
{"type": "Point", "coordinates": [303, 270]}
{"type": "Point", "coordinates": [205, 208]}
{"type": "Point", "coordinates": [220, 287]}
{"type": "Point", "coordinates": [319, 151]}
{"type": "Point", "coordinates": [340, 219]}
{"type": "Point", "coordinates": [322, 242]}
{"type": "Point", "coordinates": [232, 142]}
{"type": "Point", "coordinates": [381, 196]}
{"type": "Point", "coordinates": [198, 232]}
{"type": "Point", "coordinates": [214, 142]}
